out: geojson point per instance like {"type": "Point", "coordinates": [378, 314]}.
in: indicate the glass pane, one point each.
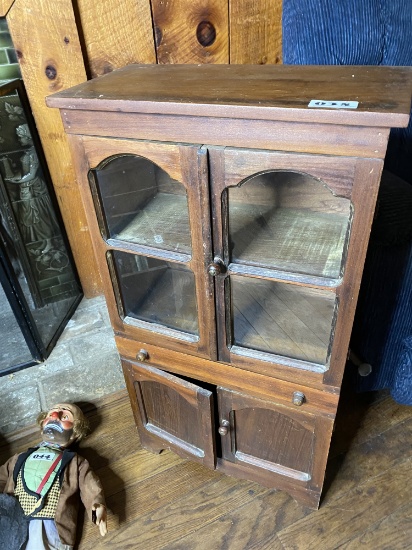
{"type": "Point", "coordinates": [282, 318]}
{"type": "Point", "coordinates": [49, 305]}
{"type": "Point", "coordinates": [30, 227]}
{"type": "Point", "coordinates": [288, 221]}
{"type": "Point", "coordinates": [142, 204]}
{"type": "Point", "coordinates": [13, 348]}
{"type": "Point", "coordinates": [156, 291]}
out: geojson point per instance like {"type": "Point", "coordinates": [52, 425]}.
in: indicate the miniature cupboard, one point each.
{"type": "Point", "coordinates": [230, 208]}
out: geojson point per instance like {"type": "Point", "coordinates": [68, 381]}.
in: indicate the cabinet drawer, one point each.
{"type": "Point", "coordinates": [322, 400]}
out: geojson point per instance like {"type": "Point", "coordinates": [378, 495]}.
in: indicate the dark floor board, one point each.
{"type": "Point", "coordinates": [186, 514]}
{"type": "Point", "coordinates": [148, 496]}
{"type": "Point", "coordinates": [134, 468]}
{"type": "Point", "coordinates": [382, 415]}
{"type": "Point", "coordinates": [394, 531]}
{"type": "Point", "coordinates": [369, 459]}
{"type": "Point", "coordinates": [347, 516]}
{"type": "Point", "coordinates": [253, 525]}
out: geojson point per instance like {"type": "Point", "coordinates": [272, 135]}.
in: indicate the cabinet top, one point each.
{"type": "Point", "coordinates": [267, 92]}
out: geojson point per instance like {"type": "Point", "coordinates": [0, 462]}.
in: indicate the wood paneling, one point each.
{"type": "Point", "coordinates": [255, 31]}
{"type": "Point", "coordinates": [47, 43]}
{"type": "Point", "coordinates": [5, 5]}
{"type": "Point", "coordinates": [116, 34]}
{"type": "Point", "coordinates": [191, 31]}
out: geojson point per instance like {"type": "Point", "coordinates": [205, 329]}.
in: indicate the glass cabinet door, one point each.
{"type": "Point", "coordinates": [280, 318]}
{"type": "Point", "coordinates": [149, 217]}
{"type": "Point", "coordinates": [283, 249]}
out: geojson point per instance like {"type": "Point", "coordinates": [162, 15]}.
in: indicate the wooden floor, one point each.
{"type": "Point", "coordinates": [164, 502]}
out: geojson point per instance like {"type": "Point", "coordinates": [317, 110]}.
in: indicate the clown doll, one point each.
{"type": "Point", "coordinates": [47, 480]}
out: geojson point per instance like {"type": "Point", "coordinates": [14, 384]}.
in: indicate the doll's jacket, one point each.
{"type": "Point", "coordinates": [77, 478]}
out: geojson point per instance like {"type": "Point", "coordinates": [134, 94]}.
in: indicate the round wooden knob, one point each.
{"type": "Point", "coordinates": [215, 269]}
{"type": "Point", "coordinates": [298, 398]}
{"type": "Point", "coordinates": [224, 427]}
{"type": "Point", "coordinates": [142, 355]}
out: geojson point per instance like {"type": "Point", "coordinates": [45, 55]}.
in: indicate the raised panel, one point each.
{"type": "Point", "coordinates": [171, 413]}
{"type": "Point", "coordinates": [277, 446]}
{"type": "Point", "coordinates": [260, 438]}
{"type": "Point", "coordinates": [267, 436]}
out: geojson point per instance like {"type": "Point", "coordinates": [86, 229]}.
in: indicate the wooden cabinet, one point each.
{"type": "Point", "coordinates": [230, 223]}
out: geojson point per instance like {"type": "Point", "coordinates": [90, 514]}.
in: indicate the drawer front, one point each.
{"type": "Point", "coordinates": [295, 394]}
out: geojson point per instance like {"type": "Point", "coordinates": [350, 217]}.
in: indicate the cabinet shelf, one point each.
{"type": "Point", "coordinates": [289, 239]}
{"type": "Point", "coordinates": [162, 223]}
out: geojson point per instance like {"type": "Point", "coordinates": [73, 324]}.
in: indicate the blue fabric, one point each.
{"type": "Point", "coordinates": [354, 32]}
{"type": "Point", "coordinates": [371, 32]}
{"type": "Point", "coordinates": [347, 32]}
{"type": "Point", "coordinates": [401, 388]}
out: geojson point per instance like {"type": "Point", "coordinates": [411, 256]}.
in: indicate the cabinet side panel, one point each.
{"type": "Point", "coordinates": [364, 194]}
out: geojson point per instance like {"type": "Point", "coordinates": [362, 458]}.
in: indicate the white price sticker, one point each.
{"type": "Point", "coordinates": [322, 104]}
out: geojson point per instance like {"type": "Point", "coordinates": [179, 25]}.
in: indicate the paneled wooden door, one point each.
{"type": "Point", "coordinates": [171, 413]}
{"type": "Point", "coordinates": [277, 446]}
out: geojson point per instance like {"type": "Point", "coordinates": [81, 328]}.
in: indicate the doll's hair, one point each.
{"type": "Point", "coordinates": [81, 427]}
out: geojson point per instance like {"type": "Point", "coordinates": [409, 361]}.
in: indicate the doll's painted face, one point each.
{"type": "Point", "coordinates": [57, 427]}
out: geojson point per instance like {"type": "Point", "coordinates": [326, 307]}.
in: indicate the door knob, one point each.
{"type": "Point", "coordinates": [298, 398]}
{"type": "Point", "coordinates": [224, 427]}
{"type": "Point", "coordinates": [142, 355]}
{"type": "Point", "coordinates": [216, 267]}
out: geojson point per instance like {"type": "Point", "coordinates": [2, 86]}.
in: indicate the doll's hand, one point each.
{"type": "Point", "coordinates": [101, 517]}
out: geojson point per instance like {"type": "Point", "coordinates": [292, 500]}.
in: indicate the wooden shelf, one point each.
{"type": "Point", "coordinates": [289, 239]}
{"type": "Point", "coordinates": [163, 223]}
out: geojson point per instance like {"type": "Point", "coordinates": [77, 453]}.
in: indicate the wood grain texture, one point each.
{"type": "Point", "coordinates": [255, 31]}
{"type": "Point", "coordinates": [163, 502]}
{"type": "Point", "coordinates": [248, 107]}
{"type": "Point", "coordinates": [191, 31]}
{"type": "Point", "coordinates": [116, 34]}
{"type": "Point", "coordinates": [5, 6]}
{"type": "Point", "coordinates": [261, 134]}
{"type": "Point", "coordinates": [280, 92]}
{"type": "Point", "coordinates": [220, 374]}
{"type": "Point", "coordinates": [45, 37]}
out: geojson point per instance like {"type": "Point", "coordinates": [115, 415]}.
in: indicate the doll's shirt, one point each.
{"type": "Point", "coordinates": [36, 467]}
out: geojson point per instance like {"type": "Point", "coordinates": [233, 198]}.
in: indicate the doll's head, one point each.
{"type": "Point", "coordinates": [63, 424]}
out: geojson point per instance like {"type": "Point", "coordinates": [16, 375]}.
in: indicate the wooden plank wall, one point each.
{"type": "Point", "coordinates": [61, 43]}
